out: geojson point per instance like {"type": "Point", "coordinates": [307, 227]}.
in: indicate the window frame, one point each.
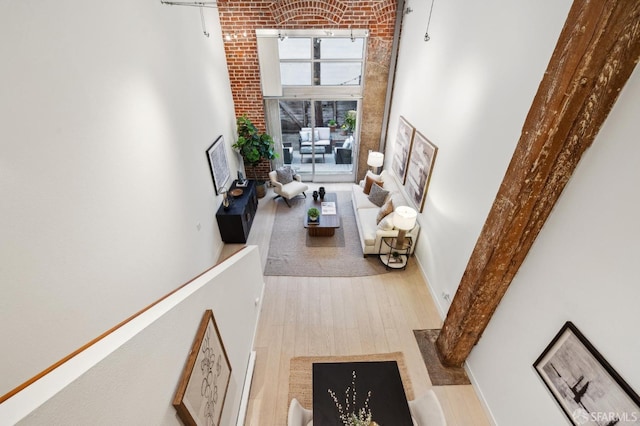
{"type": "Point", "coordinates": [311, 60]}
{"type": "Point", "coordinates": [270, 64]}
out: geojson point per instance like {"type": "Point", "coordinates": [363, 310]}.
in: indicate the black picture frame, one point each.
{"type": "Point", "coordinates": [217, 156]}
{"type": "Point", "coordinates": [583, 383]}
{"type": "Point", "coordinates": [419, 169]}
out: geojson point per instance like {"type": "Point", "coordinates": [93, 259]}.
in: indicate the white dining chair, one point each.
{"type": "Point", "coordinates": [298, 415]}
{"type": "Point", "coordinates": [427, 410]}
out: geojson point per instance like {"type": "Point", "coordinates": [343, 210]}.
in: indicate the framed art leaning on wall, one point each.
{"type": "Point", "coordinates": [203, 385]}
{"type": "Point", "coordinates": [585, 386]}
{"type": "Point", "coordinates": [402, 149]}
{"type": "Point", "coordinates": [217, 156]}
{"type": "Point", "coordinates": [421, 159]}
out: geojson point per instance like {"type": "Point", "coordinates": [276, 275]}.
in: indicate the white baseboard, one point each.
{"type": "Point", "coordinates": [246, 389]}
{"type": "Point", "coordinates": [442, 310]}
{"type": "Point", "coordinates": [478, 391]}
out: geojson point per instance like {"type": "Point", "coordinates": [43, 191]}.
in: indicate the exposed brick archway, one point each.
{"type": "Point", "coordinates": [240, 19]}
{"type": "Point", "coordinates": [291, 12]}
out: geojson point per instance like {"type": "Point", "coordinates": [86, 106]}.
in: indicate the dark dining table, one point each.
{"type": "Point", "coordinates": [387, 401]}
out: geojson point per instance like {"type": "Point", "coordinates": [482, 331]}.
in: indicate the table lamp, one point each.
{"type": "Point", "coordinates": [375, 160]}
{"type": "Point", "coordinates": [404, 218]}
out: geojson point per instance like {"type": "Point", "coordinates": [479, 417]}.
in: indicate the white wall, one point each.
{"type": "Point", "coordinates": [469, 90]}
{"type": "Point", "coordinates": [583, 267]}
{"type": "Point", "coordinates": [106, 111]}
{"type": "Point", "coordinates": [131, 376]}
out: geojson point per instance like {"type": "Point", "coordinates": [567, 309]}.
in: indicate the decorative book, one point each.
{"type": "Point", "coordinates": [328, 207]}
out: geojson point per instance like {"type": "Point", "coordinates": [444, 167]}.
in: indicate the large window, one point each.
{"type": "Point", "coordinates": [312, 87]}
{"type": "Point", "coordinates": [321, 61]}
{"type": "Point", "coordinates": [312, 63]}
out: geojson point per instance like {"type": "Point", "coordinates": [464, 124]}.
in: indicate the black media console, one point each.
{"type": "Point", "coordinates": [235, 223]}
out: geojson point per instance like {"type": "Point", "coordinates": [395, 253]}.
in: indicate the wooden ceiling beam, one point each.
{"type": "Point", "coordinates": [598, 48]}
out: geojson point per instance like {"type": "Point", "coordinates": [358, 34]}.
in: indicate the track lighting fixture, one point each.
{"type": "Point", "coordinates": [426, 34]}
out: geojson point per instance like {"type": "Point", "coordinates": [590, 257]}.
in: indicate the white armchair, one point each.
{"type": "Point", "coordinates": [298, 415]}
{"type": "Point", "coordinates": [285, 188]}
{"type": "Point", "coordinates": [427, 411]}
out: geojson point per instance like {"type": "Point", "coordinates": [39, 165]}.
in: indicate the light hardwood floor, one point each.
{"type": "Point", "coordinates": [341, 316]}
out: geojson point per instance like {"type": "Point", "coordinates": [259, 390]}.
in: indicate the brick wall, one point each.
{"type": "Point", "coordinates": [240, 19]}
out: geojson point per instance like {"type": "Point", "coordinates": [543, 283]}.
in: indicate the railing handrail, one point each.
{"type": "Point", "coordinates": [84, 347]}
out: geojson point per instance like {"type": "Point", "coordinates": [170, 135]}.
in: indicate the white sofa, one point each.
{"type": "Point", "coordinates": [366, 212]}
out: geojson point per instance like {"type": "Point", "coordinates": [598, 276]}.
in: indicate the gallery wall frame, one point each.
{"type": "Point", "coordinates": [583, 383]}
{"type": "Point", "coordinates": [404, 140]}
{"type": "Point", "coordinates": [217, 156]}
{"type": "Point", "coordinates": [203, 385]}
{"type": "Point", "coordinates": [419, 169]}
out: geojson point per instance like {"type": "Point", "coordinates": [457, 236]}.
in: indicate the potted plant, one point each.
{"type": "Point", "coordinates": [332, 125]}
{"type": "Point", "coordinates": [313, 214]}
{"type": "Point", "coordinates": [349, 122]}
{"type": "Point", "coordinates": [254, 146]}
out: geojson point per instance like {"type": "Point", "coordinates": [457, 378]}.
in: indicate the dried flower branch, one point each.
{"type": "Point", "coordinates": [362, 417]}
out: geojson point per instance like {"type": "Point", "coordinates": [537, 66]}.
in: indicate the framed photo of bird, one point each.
{"type": "Point", "coordinates": [584, 384]}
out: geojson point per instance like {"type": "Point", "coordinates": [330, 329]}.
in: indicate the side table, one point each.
{"type": "Point", "coordinates": [402, 251]}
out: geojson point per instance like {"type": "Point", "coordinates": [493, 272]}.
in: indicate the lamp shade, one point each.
{"type": "Point", "coordinates": [375, 159]}
{"type": "Point", "coordinates": [404, 218]}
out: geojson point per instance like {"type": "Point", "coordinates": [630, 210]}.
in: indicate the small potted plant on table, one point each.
{"type": "Point", "coordinates": [313, 215]}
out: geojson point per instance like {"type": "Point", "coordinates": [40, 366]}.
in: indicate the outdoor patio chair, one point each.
{"type": "Point", "coordinates": [342, 155]}
{"type": "Point", "coordinates": [287, 154]}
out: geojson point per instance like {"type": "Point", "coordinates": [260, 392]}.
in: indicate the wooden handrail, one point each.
{"type": "Point", "coordinates": [52, 367]}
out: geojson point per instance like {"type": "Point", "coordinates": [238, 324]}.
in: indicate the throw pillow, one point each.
{"type": "Point", "coordinates": [386, 224]}
{"type": "Point", "coordinates": [305, 136]}
{"type": "Point", "coordinates": [385, 213]}
{"type": "Point", "coordinates": [369, 181]}
{"type": "Point", "coordinates": [378, 195]}
{"type": "Point", "coordinates": [373, 175]}
{"type": "Point", "coordinates": [285, 175]}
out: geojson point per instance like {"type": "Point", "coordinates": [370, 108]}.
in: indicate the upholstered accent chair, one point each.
{"type": "Point", "coordinates": [298, 415]}
{"type": "Point", "coordinates": [427, 410]}
{"type": "Point", "coordinates": [287, 184]}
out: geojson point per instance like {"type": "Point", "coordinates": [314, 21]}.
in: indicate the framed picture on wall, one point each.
{"type": "Point", "coordinates": [421, 159]}
{"type": "Point", "coordinates": [205, 378]}
{"type": "Point", "coordinates": [402, 149]}
{"type": "Point", "coordinates": [587, 388]}
{"type": "Point", "coordinates": [217, 156]}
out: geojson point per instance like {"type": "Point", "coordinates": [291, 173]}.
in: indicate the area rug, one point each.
{"type": "Point", "coordinates": [300, 373]}
{"type": "Point", "coordinates": [292, 252]}
{"type": "Point", "coordinates": [438, 373]}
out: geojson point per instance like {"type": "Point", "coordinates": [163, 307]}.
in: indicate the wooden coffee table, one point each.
{"type": "Point", "coordinates": [328, 223]}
